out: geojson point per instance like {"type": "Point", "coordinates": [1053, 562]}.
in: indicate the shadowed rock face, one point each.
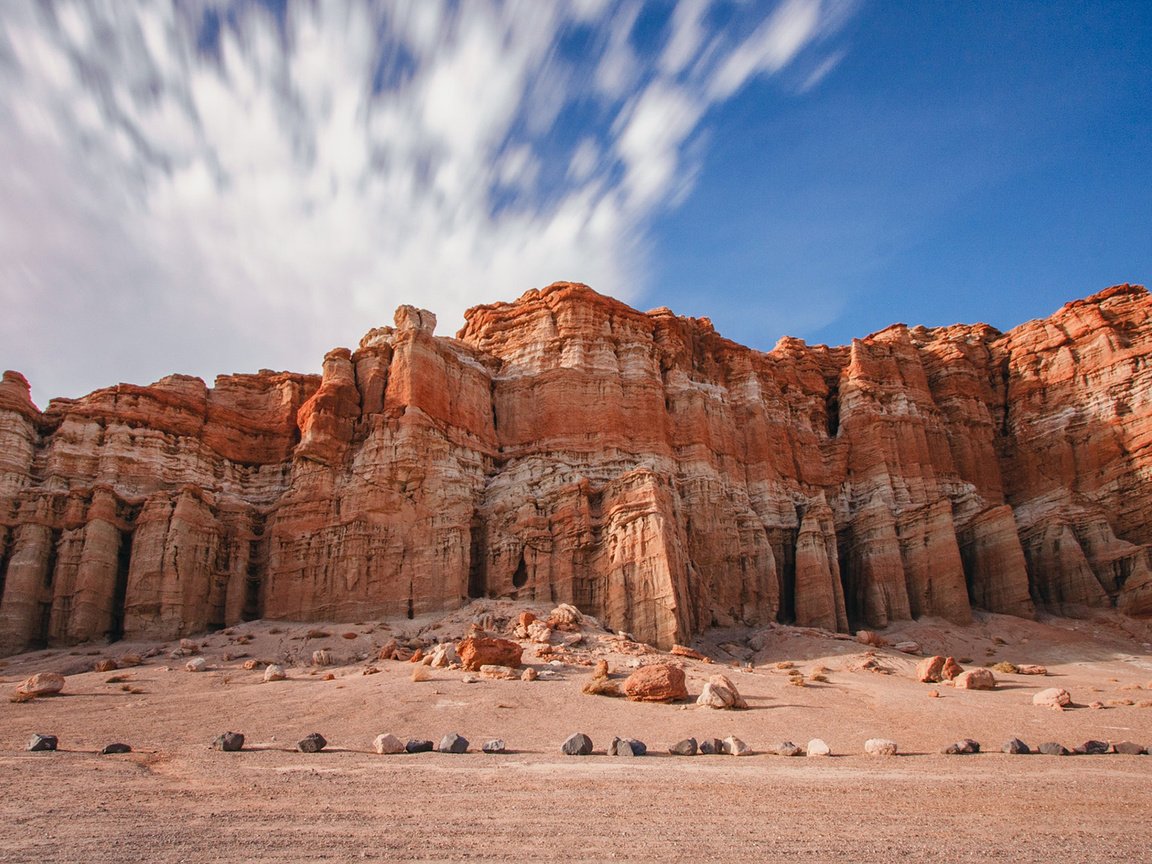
{"type": "Point", "coordinates": [568, 448]}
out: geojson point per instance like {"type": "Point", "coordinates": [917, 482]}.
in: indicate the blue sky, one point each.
{"type": "Point", "coordinates": [226, 185]}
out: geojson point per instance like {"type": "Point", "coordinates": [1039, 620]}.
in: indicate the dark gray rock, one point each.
{"type": "Point", "coordinates": [962, 747]}
{"type": "Point", "coordinates": [1128, 748]}
{"type": "Point", "coordinates": [314, 742]}
{"type": "Point", "coordinates": [1093, 748]}
{"type": "Point", "coordinates": [578, 744]}
{"type": "Point", "coordinates": [453, 743]}
{"type": "Point", "coordinates": [1016, 747]}
{"type": "Point", "coordinates": [496, 745]}
{"type": "Point", "coordinates": [118, 747]}
{"type": "Point", "coordinates": [419, 745]}
{"type": "Point", "coordinates": [229, 742]}
{"type": "Point", "coordinates": [1051, 748]}
{"type": "Point", "coordinates": [627, 747]}
{"type": "Point", "coordinates": [687, 747]}
{"type": "Point", "coordinates": [42, 743]}
{"type": "Point", "coordinates": [711, 747]}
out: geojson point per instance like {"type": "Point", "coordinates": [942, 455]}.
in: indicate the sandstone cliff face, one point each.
{"type": "Point", "coordinates": [568, 448]}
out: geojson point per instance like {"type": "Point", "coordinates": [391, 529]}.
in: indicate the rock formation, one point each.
{"type": "Point", "coordinates": [566, 448]}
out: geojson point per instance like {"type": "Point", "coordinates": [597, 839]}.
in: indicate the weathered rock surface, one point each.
{"type": "Point", "coordinates": [229, 742]}
{"type": "Point", "coordinates": [719, 692]}
{"type": "Point", "coordinates": [41, 684]}
{"type": "Point", "coordinates": [577, 744]}
{"type": "Point", "coordinates": [660, 682]}
{"type": "Point", "coordinates": [975, 679]}
{"type": "Point", "coordinates": [42, 743]}
{"type": "Point", "coordinates": [880, 747]}
{"type": "Point", "coordinates": [476, 652]}
{"type": "Point", "coordinates": [313, 742]}
{"type": "Point", "coordinates": [634, 466]}
{"type": "Point", "coordinates": [1053, 697]}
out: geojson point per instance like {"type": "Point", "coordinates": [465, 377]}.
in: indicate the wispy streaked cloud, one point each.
{"type": "Point", "coordinates": [216, 186]}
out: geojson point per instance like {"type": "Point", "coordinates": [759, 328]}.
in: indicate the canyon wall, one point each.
{"type": "Point", "coordinates": [568, 448]}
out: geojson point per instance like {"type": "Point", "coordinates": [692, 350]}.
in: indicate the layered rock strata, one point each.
{"type": "Point", "coordinates": [567, 448]}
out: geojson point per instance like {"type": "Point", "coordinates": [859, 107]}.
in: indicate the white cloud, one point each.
{"type": "Point", "coordinates": [173, 201]}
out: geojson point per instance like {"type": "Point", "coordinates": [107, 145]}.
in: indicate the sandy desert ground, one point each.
{"type": "Point", "coordinates": [174, 799]}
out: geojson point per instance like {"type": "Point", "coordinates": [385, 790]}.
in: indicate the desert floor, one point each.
{"type": "Point", "coordinates": [173, 799]}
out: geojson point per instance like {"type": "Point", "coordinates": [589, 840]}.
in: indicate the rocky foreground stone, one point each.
{"type": "Point", "coordinates": [543, 453]}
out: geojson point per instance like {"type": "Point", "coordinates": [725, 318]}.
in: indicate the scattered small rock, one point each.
{"type": "Point", "coordinates": [505, 673]}
{"type": "Point", "coordinates": [1053, 697]}
{"type": "Point", "coordinates": [577, 744]}
{"type": "Point", "coordinates": [880, 747]}
{"type": "Point", "coordinates": [496, 745]}
{"type": "Point", "coordinates": [116, 748]}
{"type": "Point", "coordinates": [314, 742]}
{"type": "Point", "coordinates": [1093, 748]}
{"type": "Point", "coordinates": [419, 745]}
{"type": "Point", "coordinates": [627, 747]}
{"type": "Point", "coordinates": [687, 747]}
{"type": "Point", "coordinates": [1051, 748]}
{"type": "Point", "coordinates": [42, 743]}
{"type": "Point", "coordinates": [420, 673]}
{"type": "Point", "coordinates": [908, 647]}
{"type": "Point", "coordinates": [817, 747]}
{"type": "Point", "coordinates": [733, 746]}
{"type": "Point", "coordinates": [1016, 747]}
{"type": "Point", "coordinates": [229, 742]}
{"type": "Point", "coordinates": [470, 679]}
{"type": "Point", "coordinates": [274, 672]}
{"type": "Point", "coordinates": [529, 674]}
{"type": "Point", "coordinates": [1096, 706]}
{"type": "Point", "coordinates": [321, 657]}
{"type": "Point", "coordinates": [106, 665]}
{"type": "Point", "coordinates": [1031, 669]}
{"type": "Point", "coordinates": [783, 748]}
{"type": "Point", "coordinates": [453, 743]}
{"type": "Point", "coordinates": [684, 651]}
{"type": "Point", "coordinates": [387, 744]}
{"type": "Point", "coordinates": [962, 747]}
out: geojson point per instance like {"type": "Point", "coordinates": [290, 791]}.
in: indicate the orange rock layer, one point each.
{"type": "Point", "coordinates": [567, 448]}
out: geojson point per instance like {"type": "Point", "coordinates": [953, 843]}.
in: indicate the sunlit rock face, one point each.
{"type": "Point", "coordinates": [568, 448]}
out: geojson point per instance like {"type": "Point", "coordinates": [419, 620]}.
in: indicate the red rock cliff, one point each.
{"type": "Point", "coordinates": [566, 447]}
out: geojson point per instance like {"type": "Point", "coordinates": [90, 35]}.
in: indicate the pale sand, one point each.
{"type": "Point", "coordinates": [175, 800]}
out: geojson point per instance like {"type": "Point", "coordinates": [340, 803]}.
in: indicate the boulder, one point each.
{"type": "Point", "coordinates": [443, 655]}
{"type": "Point", "coordinates": [660, 682]}
{"type": "Point", "coordinates": [975, 679]}
{"type": "Point", "coordinates": [502, 673]}
{"type": "Point", "coordinates": [577, 744]}
{"type": "Point", "coordinates": [196, 664]}
{"type": "Point", "coordinates": [908, 647]}
{"type": "Point", "coordinates": [685, 651]}
{"type": "Point", "coordinates": [817, 747]}
{"type": "Point", "coordinates": [41, 743]}
{"type": "Point", "coordinates": [733, 746]}
{"type": "Point", "coordinates": [962, 747]}
{"type": "Point", "coordinates": [565, 617]}
{"type": "Point", "coordinates": [419, 745]}
{"type": "Point", "coordinates": [1016, 747]}
{"type": "Point", "coordinates": [930, 670]}
{"type": "Point", "coordinates": [115, 749]}
{"type": "Point", "coordinates": [627, 747]}
{"type": "Point", "coordinates": [951, 668]}
{"type": "Point", "coordinates": [1093, 748]}
{"type": "Point", "coordinates": [880, 747]}
{"type": "Point", "coordinates": [721, 693]}
{"type": "Point", "coordinates": [496, 745]}
{"type": "Point", "coordinates": [41, 684]}
{"type": "Point", "coordinates": [686, 747]}
{"type": "Point", "coordinates": [229, 742]}
{"type": "Point", "coordinates": [453, 743]}
{"type": "Point", "coordinates": [529, 674]}
{"type": "Point", "coordinates": [387, 744]}
{"type": "Point", "coordinates": [1052, 748]}
{"type": "Point", "coordinates": [477, 651]}
{"type": "Point", "coordinates": [274, 672]}
{"type": "Point", "coordinates": [1053, 697]}
{"type": "Point", "coordinates": [1031, 669]}
{"type": "Point", "coordinates": [711, 746]}
{"type": "Point", "coordinates": [1128, 748]}
{"type": "Point", "coordinates": [313, 742]}
{"type": "Point", "coordinates": [321, 657]}
{"type": "Point", "coordinates": [783, 748]}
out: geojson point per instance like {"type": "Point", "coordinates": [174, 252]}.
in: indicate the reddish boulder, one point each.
{"type": "Point", "coordinates": [951, 669]}
{"type": "Point", "coordinates": [975, 679]}
{"type": "Point", "coordinates": [930, 670]}
{"type": "Point", "coordinates": [477, 651]}
{"type": "Point", "coordinates": [660, 682]}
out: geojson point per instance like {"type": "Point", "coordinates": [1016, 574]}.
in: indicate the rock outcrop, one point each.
{"type": "Point", "coordinates": [566, 448]}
